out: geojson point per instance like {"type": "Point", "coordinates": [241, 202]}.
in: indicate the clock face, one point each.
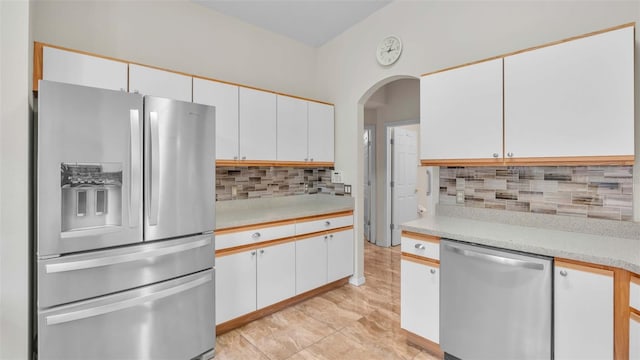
{"type": "Point", "coordinates": [389, 50]}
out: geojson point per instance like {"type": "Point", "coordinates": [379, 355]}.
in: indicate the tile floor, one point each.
{"type": "Point", "coordinates": [346, 323]}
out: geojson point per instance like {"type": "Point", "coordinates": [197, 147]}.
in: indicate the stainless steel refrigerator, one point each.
{"type": "Point", "coordinates": [124, 226]}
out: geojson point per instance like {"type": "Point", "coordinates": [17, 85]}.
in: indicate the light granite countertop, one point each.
{"type": "Point", "coordinates": [621, 252]}
{"type": "Point", "coordinates": [234, 213]}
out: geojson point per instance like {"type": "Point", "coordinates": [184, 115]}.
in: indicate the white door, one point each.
{"type": "Point", "coordinates": [292, 129]}
{"type": "Point", "coordinates": [235, 285]}
{"type": "Point", "coordinates": [311, 263]}
{"type": "Point", "coordinates": [404, 174]}
{"type": "Point", "coordinates": [321, 137]}
{"type": "Point", "coordinates": [225, 98]}
{"type": "Point", "coordinates": [257, 125]}
{"type": "Point", "coordinates": [340, 255]}
{"type": "Point", "coordinates": [276, 274]}
{"type": "Point", "coordinates": [149, 81]}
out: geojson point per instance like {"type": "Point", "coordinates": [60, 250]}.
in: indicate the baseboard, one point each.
{"type": "Point", "coordinates": [430, 346]}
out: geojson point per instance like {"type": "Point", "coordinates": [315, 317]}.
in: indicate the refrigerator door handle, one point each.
{"type": "Point", "coordinates": [154, 186]}
{"type": "Point", "coordinates": [124, 258]}
{"type": "Point", "coordinates": [121, 305]}
{"type": "Point", "coordinates": [135, 168]}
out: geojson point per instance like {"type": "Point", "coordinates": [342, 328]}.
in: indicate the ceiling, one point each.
{"type": "Point", "coordinates": [313, 22]}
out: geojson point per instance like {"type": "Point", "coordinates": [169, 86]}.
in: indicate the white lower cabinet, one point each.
{"type": "Point", "coordinates": [634, 337]}
{"type": "Point", "coordinates": [235, 285]}
{"type": "Point", "coordinates": [583, 312]}
{"type": "Point", "coordinates": [311, 263]}
{"type": "Point", "coordinates": [420, 299]}
{"type": "Point", "coordinates": [340, 255]}
{"type": "Point", "coordinates": [276, 274]}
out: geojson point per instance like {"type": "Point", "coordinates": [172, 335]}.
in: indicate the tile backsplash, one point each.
{"type": "Point", "coordinates": [604, 192]}
{"type": "Point", "coordinates": [266, 181]}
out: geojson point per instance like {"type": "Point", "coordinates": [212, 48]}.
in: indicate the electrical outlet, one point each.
{"type": "Point", "coordinates": [234, 190]}
{"type": "Point", "coordinates": [460, 196]}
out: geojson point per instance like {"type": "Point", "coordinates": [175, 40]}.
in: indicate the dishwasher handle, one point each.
{"type": "Point", "coordinates": [495, 258]}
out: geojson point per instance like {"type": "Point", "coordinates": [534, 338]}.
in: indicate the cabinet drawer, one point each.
{"type": "Point", "coordinates": [429, 249]}
{"type": "Point", "coordinates": [253, 235]}
{"type": "Point", "coordinates": [323, 224]}
{"type": "Point", "coordinates": [634, 296]}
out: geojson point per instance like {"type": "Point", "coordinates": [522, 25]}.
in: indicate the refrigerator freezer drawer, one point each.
{"type": "Point", "coordinates": [76, 277]}
{"type": "Point", "coordinates": [170, 320]}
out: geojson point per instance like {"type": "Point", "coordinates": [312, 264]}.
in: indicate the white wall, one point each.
{"type": "Point", "coordinates": [179, 35]}
{"type": "Point", "coordinates": [14, 179]}
{"type": "Point", "coordinates": [439, 34]}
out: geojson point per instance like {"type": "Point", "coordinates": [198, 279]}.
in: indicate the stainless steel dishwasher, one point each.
{"type": "Point", "coordinates": [495, 304]}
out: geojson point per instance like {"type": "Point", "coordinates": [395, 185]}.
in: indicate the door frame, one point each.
{"type": "Point", "coordinates": [372, 187]}
{"type": "Point", "coordinates": [388, 164]}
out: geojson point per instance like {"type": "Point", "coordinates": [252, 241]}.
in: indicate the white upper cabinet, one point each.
{"type": "Point", "coordinates": [225, 98]}
{"type": "Point", "coordinates": [292, 129]}
{"type": "Point", "coordinates": [80, 69]}
{"type": "Point", "coordinates": [583, 312]}
{"type": "Point", "coordinates": [321, 136]}
{"type": "Point", "coordinates": [155, 82]}
{"type": "Point", "coordinates": [257, 125]}
{"type": "Point", "coordinates": [461, 113]}
{"type": "Point", "coordinates": [572, 99]}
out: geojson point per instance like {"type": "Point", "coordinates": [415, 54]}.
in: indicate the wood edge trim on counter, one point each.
{"type": "Point", "coordinates": [621, 314]}
{"type": "Point", "coordinates": [282, 222]}
{"type": "Point", "coordinates": [584, 266]}
{"type": "Point", "coordinates": [275, 163]}
{"type": "Point", "coordinates": [420, 259]}
{"type": "Point", "coordinates": [430, 346]}
{"type": "Point", "coordinates": [38, 62]}
{"type": "Point", "coordinates": [572, 38]}
{"type": "Point", "coordinates": [323, 232]}
{"type": "Point", "coordinates": [419, 236]}
{"type": "Point", "coordinates": [247, 318]}
{"type": "Point", "coordinates": [635, 279]}
{"type": "Point", "coordinates": [254, 246]}
{"type": "Point", "coordinates": [535, 161]}
{"type": "Point", "coordinates": [634, 315]}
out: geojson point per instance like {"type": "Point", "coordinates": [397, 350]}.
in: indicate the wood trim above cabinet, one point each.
{"type": "Point", "coordinates": [273, 163]}
{"type": "Point", "coordinates": [420, 259]}
{"type": "Point", "coordinates": [634, 315]}
{"type": "Point", "coordinates": [254, 246]}
{"type": "Point", "coordinates": [536, 161]}
{"type": "Point", "coordinates": [618, 27]}
{"type": "Point", "coordinates": [635, 279]}
{"type": "Point", "coordinates": [323, 232]}
{"type": "Point", "coordinates": [584, 266]}
{"type": "Point", "coordinates": [418, 236]}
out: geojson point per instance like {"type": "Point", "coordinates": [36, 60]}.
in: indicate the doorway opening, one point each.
{"type": "Point", "coordinates": [392, 187]}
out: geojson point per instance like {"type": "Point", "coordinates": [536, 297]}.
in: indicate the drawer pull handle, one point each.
{"type": "Point", "coordinates": [433, 271]}
{"type": "Point", "coordinates": [261, 251]}
{"type": "Point", "coordinates": [255, 235]}
{"type": "Point", "coordinates": [563, 272]}
{"type": "Point", "coordinates": [253, 252]}
{"type": "Point", "coordinates": [327, 223]}
{"type": "Point", "coordinates": [420, 247]}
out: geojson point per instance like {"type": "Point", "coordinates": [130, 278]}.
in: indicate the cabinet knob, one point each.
{"type": "Point", "coordinates": [261, 251]}
{"type": "Point", "coordinates": [433, 271]}
{"type": "Point", "coordinates": [420, 247]}
{"type": "Point", "coordinates": [495, 155]}
{"type": "Point", "coordinates": [331, 236]}
{"type": "Point", "coordinates": [244, 158]}
{"type": "Point", "coordinates": [306, 159]}
{"type": "Point", "coordinates": [235, 158]}
{"type": "Point", "coordinates": [327, 223]}
{"type": "Point", "coordinates": [326, 237]}
{"type": "Point", "coordinates": [563, 273]}
{"type": "Point", "coordinates": [311, 159]}
{"type": "Point", "coordinates": [510, 154]}
{"type": "Point", "coordinates": [253, 253]}
{"type": "Point", "coordinates": [255, 235]}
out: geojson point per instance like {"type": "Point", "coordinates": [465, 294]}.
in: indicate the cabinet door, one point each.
{"type": "Point", "coordinates": [311, 263]}
{"type": "Point", "coordinates": [321, 136]}
{"type": "Point", "coordinates": [634, 337]}
{"type": "Point", "coordinates": [276, 273]}
{"type": "Point", "coordinates": [80, 69]}
{"type": "Point", "coordinates": [225, 98]}
{"type": "Point", "coordinates": [235, 285]}
{"type": "Point", "coordinates": [292, 129]}
{"type": "Point", "coordinates": [461, 113]}
{"type": "Point", "coordinates": [583, 312]}
{"type": "Point", "coordinates": [257, 125]}
{"type": "Point", "coordinates": [160, 83]}
{"type": "Point", "coordinates": [420, 299]}
{"type": "Point", "coordinates": [571, 99]}
{"type": "Point", "coordinates": [340, 255]}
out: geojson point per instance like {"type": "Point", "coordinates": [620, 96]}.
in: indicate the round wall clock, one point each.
{"type": "Point", "coordinates": [389, 50]}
